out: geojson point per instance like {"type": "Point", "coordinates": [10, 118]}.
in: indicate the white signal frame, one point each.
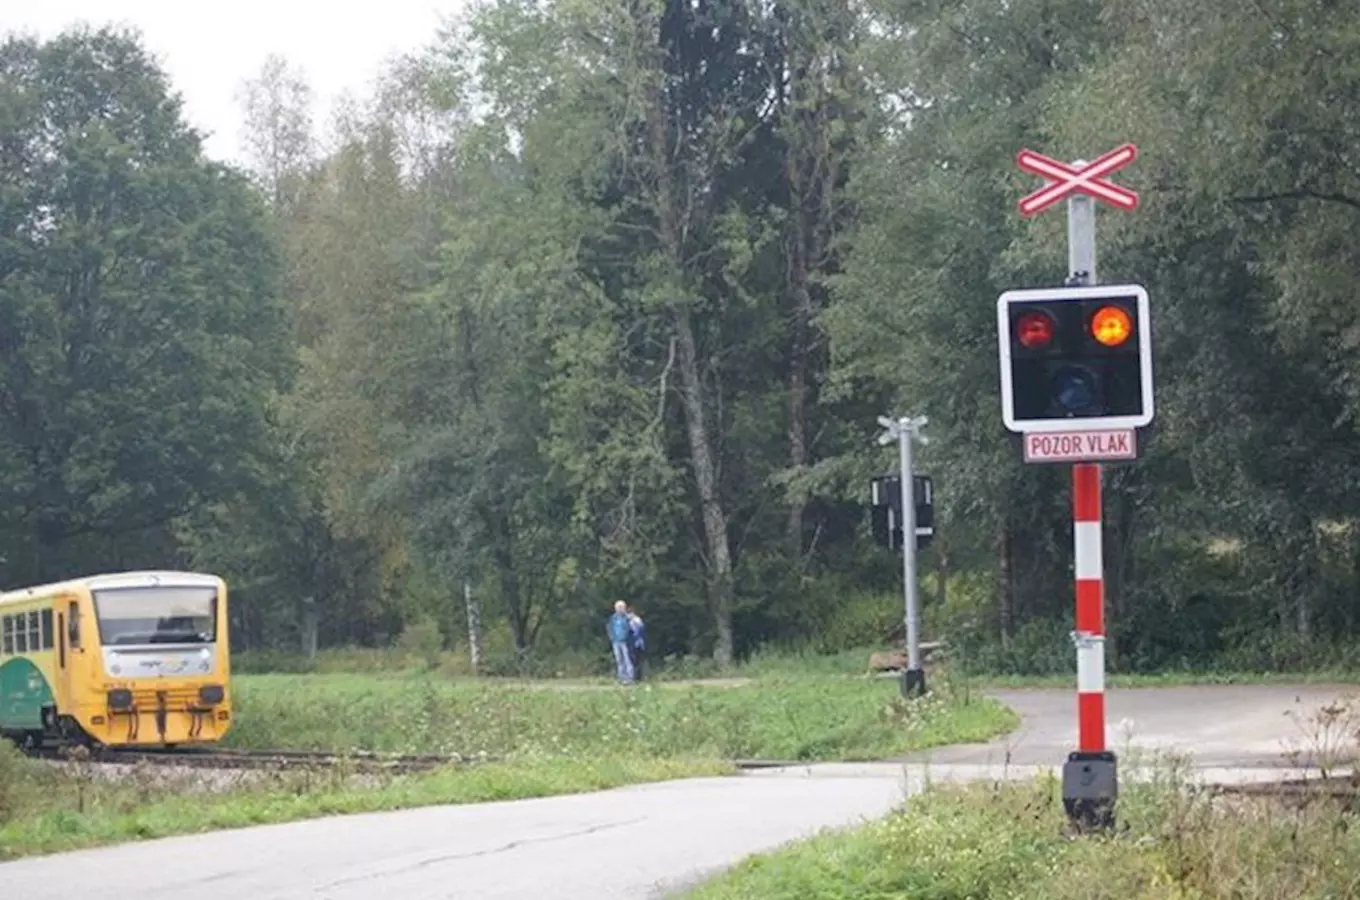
{"type": "Point", "coordinates": [1010, 299]}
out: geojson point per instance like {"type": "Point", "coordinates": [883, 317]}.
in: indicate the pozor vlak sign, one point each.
{"type": "Point", "coordinates": [1069, 447]}
{"type": "Point", "coordinates": [1076, 360]}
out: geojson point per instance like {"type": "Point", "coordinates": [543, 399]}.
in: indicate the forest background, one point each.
{"type": "Point", "coordinates": [601, 299]}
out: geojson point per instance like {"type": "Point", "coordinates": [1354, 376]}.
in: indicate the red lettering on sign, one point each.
{"type": "Point", "coordinates": [1079, 446]}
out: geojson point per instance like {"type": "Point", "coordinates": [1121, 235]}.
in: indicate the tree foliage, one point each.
{"type": "Point", "coordinates": [138, 311]}
{"type": "Point", "coordinates": [600, 299]}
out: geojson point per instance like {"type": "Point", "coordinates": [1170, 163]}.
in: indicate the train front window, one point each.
{"type": "Point", "coordinates": [157, 615]}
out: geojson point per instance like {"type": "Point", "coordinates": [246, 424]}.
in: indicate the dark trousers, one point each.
{"type": "Point", "coordinates": [639, 655]}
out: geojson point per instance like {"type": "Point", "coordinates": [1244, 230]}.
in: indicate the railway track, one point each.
{"type": "Point", "coordinates": [276, 760]}
{"type": "Point", "coordinates": [282, 760]}
{"type": "Point", "coordinates": [1342, 788]}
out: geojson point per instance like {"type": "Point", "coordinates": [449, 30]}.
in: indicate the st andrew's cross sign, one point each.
{"type": "Point", "coordinates": [1085, 179]}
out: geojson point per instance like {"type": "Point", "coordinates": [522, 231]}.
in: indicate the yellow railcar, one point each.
{"type": "Point", "coordinates": [132, 659]}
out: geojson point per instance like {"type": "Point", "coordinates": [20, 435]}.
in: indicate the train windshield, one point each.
{"type": "Point", "coordinates": [157, 615]}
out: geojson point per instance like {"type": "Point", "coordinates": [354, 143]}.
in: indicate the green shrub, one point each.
{"type": "Point", "coordinates": [259, 662]}
{"type": "Point", "coordinates": [862, 619]}
{"type": "Point", "coordinates": [1040, 647]}
{"type": "Point", "coordinates": [21, 779]}
{"type": "Point", "coordinates": [422, 641]}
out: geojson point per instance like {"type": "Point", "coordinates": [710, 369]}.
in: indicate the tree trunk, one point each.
{"type": "Point", "coordinates": [1121, 573]}
{"type": "Point", "coordinates": [517, 611]}
{"type": "Point", "coordinates": [1305, 615]}
{"type": "Point", "coordinates": [798, 374]}
{"type": "Point", "coordinates": [811, 112]}
{"type": "Point", "coordinates": [310, 624]}
{"type": "Point", "coordinates": [1309, 567]}
{"type": "Point", "coordinates": [1354, 605]}
{"type": "Point", "coordinates": [1005, 585]}
{"type": "Point", "coordinates": [678, 210]}
{"type": "Point", "coordinates": [473, 605]}
{"type": "Point", "coordinates": [797, 426]}
{"type": "Point", "coordinates": [941, 579]}
{"type": "Point", "coordinates": [516, 614]}
{"type": "Point", "coordinates": [1299, 561]}
{"type": "Point", "coordinates": [706, 481]}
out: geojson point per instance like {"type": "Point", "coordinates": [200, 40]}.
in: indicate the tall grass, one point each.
{"type": "Point", "coordinates": [1011, 842]}
{"type": "Point", "coordinates": [576, 665]}
{"type": "Point", "coordinates": [788, 718]}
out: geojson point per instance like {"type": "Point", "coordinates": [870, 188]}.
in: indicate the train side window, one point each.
{"type": "Point", "coordinates": [7, 634]}
{"type": "Point", "coordinates": [20, 633]}
{"type": "Point", "coordinates": [61, 639]}
{"type": "Point", "coordinates": [49, 639]}
{"type": "Point", "coordinates": [35, 641]}
{"type": "Point", "coordinates": [75, 626]}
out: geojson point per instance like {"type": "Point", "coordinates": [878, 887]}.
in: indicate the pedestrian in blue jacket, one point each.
{"type": "Point", "coordinates": [619, 636]}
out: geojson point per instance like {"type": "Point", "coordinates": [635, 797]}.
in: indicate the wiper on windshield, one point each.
{"type": "Point", "coordinates": [179, 637]}
{"type": "Point", "coordinates": [141, 637]}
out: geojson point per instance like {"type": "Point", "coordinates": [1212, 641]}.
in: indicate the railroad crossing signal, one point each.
{"type": "Point", "coordinates": [1086, 179]}
{"type": "Point", "coordinates": [1075, 359]}
{"type": "Point", "coordinates": [1076, 379]}
{"type": "Point", "coordinates": [885, 510]}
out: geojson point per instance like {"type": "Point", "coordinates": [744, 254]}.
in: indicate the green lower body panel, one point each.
{"type": "Point", "coordinates": [23, 694]}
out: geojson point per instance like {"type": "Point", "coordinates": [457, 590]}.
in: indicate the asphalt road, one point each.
{"type": "Point", "coordinates": [644, 841]}
{"type": "Point", "coordinates": [1219, 726]}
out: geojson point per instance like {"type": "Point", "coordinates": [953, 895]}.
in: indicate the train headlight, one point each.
{"type": "Point", "coordinates": [211, 694]}
{"type": "Point", "coordinates": [120, 698]}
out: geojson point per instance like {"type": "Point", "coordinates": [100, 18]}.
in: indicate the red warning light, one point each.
{"type": "Point", "coordinates": [1034, 329]}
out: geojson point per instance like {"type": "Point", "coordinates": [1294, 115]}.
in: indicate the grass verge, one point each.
{"type": "Point", "coordinates": [788, 718]}
{"type": "Point", "coordinates": [45, 809]}
{"type": "Point", "coordinates": [1010, 842]}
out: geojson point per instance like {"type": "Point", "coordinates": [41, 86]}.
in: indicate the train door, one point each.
{"type": "Point", "coordinates": [70, 654]}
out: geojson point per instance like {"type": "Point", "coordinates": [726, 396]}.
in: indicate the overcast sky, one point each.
{"type": "Point", "coordinates": [209, 49]}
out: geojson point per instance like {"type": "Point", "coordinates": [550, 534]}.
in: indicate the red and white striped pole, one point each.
{"type": "Point", "coordinates": [1091, 774]}
{"type": "Point", "coordinates": [1090, 623]}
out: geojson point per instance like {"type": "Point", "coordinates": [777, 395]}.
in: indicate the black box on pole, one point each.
{"type": "Point", "coordinates": [885, 510]}
{"type": "Point", "coordinates": [1090, 786]}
